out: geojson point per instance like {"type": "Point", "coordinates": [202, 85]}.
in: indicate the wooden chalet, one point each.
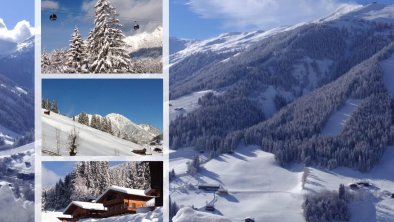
{"type": "Point", "coordinates": [119, 200]}
{"type": "Point", "coordinates": [79, 210]}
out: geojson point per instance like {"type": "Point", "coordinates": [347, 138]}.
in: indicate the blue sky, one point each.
{"type": "Point", "coordinates": [16, 20]}
{"type": "Point", "coordinates": [140, 100]}
{"type": "Point", "coordinates": [80, 14]}
{"type": "Point", "coordinates": [14, 11]}
{"type": "Point", "coordinates": [201, 19]}
{"type": "Point", "coordinates": [53, 171]}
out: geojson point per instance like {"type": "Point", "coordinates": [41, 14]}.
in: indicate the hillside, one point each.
{"type": "Point", "coordinates": [90, 142]}
{"type": "Point", "coordinates": [280, 91]}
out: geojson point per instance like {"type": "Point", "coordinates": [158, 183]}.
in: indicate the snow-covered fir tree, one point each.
{"type": "Point", "coordinates": [107, 53]}
{"type": "Point", "coordinates": [76, 55]}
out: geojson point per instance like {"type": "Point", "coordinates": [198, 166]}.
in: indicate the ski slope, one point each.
{"type": "Point", "coordinates": [91, 142]}
{"type": "Point", "coordinates": [186, 104]}
{"type": "Point", "coordinates": [337, 121]}
{"type": "Point", "coordinates": [261, 189]}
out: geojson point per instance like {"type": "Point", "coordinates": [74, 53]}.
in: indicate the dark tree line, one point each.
{"type": "Point", "coordinates": [327, 206]}
{"type": "Point", "coordinates": [50, 105]}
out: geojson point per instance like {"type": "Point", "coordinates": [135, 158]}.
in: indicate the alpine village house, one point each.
{"type": "Point", "coordinates": [116, 201]}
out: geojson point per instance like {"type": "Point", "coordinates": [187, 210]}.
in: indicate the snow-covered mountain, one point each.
{"type": "Point", "coordinates": [145, 44]}
{"type": "Point", "coordinates": [16, 112]}
{"type": "Point", "coordinates": [122, 126]}
{"type": "Point", "coordinates": [309, 106]}
{"type": "Point", "coordinates": [17, 63]}
{"type": "Point", "coordinates": [261, 72]}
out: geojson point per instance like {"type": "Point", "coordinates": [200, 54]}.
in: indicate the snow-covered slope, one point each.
{"type": "Point", "coordinates": [187, 214]}
{"type": "Point", "coordinates": [371, 204]}
{"type": "Point", "coordinates": [186, 104]}
{"type": "Point", "coordinates": [266, 193]}
{"type": "Point", "coordinates": [17, 63]}
{"type": "Point", "coordinates": [338, 120]}
{"type": "Point", "coordinates": [270, 192]}
{"type": "Point", "coordinates": [371, 12]}
{"type": "Point", "coordinates": [145, 44]}
{"type": "Point", "coordinates": [91, 142]}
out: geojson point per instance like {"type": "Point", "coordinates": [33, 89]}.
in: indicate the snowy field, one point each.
{"type": "Point", "coordinates": [91, 142]}
{"type": "Point", "coordinates": [153, 216]}
{"type": "Point", "coordinates": [375, 205]}
{"type": "Point", "coordinates": [261, 189]}
{"type": "Point", "coordinates": [186, 104]}
{"type": "Point", "coordinates": [388, 77]}
{"type": "Point", "coordinates": [266, 191]}
{"type": "Point", "coordinates": [338, 119]}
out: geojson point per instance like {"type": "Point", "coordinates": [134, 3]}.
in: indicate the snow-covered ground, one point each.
{"type": "Point", "coordinates": [388, 77]}
{"type": "Point", "coordinates": [261, 189]}
{"type": "Point", "coordinates": [12, 209]}
{"type": "Point", "coordinates": [187, 214]}
{"type": "Point", "coordinates": [338, 119]}
{"type": "Point", "coordinates": [186, 104]}
{"type": "Point", "coordinates": [91, 142]}
{"type": "Point", "coordinates": [50, 216]}
{"type": "Point", "coordinates": [376, 205]}
{"type": "Point", "coordinates": [257, 186]}
{"type": "Point", "coordinates": [152, 216]}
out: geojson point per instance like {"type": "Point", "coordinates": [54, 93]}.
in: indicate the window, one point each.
{"type": "Point", "coordinates": [133, 205]}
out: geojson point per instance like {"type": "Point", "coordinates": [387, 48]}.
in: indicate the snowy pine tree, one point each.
{"type": "Point", "coordinates": [105, 42]}
{"type": "Point", "coordinates": [76, 55]}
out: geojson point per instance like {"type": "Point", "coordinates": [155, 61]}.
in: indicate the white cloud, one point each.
{"type": "Point", "coordinates": [263, 14]}
{"type": "Point", "coordinates": [49, 177]}
{"type": "Point", "coordinates": [148, 12]}
{"type": "Point", "coordinates": [19, 33]}
{"type": "Point", "coordinates": [50, 5]}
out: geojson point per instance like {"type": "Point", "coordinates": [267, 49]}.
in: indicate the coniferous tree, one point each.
{"type": "Point", "coordinates": [105, 42]}
{"type": "Point", "coordinates": [76, 54]}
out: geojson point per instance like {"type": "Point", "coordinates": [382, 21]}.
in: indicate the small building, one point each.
{"type": "Point", "coordinates": [65, 218]}
{"type": "Point", "coordinates": [79, 210]}
{"type": "Point", "coordinates": [209, 187]}
{"type": "Point", "coordinates": [119, 200]}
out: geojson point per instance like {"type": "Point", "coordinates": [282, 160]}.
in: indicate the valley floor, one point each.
{"type": "Point", "coordinates": [261, 189]}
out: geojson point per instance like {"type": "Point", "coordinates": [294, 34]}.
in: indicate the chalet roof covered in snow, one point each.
{"type": "Point", "coordinates": [85, 205]}
{"type": "Point", "coordinates": [136, 192]}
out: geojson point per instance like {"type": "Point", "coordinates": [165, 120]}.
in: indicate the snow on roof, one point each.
{"type": "Point", "coordinates": [64, 216]}
{"type": "Point", "coordinates": [136, 192]}
{"type": "Point", "coordinates": [86, 206]}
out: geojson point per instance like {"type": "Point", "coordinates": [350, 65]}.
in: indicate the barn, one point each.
{"type": "Point", "coordinates": [79, 210]}
{"type": "Point", "coordinates": [119, 200]}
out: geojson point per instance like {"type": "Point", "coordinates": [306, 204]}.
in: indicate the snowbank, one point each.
{"type": "Point", "coordinates": [153, 216]}
{"type": "Point", "coordinates": [187, 214]}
